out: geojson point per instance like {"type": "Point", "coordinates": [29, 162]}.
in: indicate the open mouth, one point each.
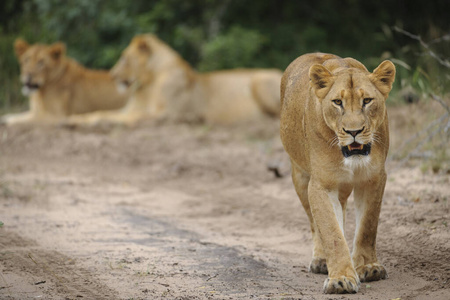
{"type": "Point", "coordinates": [126, 83]}
{"type": "Point", "coordinates": [356, 149]}
{"type": "Point", "coordinates": [32, 86]}
{"type": "Point", "coordinates": [123, 85]}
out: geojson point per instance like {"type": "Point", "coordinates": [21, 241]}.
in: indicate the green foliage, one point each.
{"type": "Point", "coordinates": [10, 91]}
{"type": "Point", "coordinates": [236, 48]}
{"type": "Point", "coordinates": [95, 31]}
{"type": "Point", "coordinates": [225, 34]}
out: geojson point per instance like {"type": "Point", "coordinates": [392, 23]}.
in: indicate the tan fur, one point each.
{"type": "Point", "coordinates": [163, 85]}
{"type": "Point", "coordinates": [58, 86]}
{"type": "Point", "coordinates": [312, 131]}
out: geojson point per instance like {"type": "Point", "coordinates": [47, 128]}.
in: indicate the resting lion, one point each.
{"type": "Point", "coordinates": [334, 127]}
{"type": "Point", "coordinates": [163, 85]}
{"type": "Point", "coordinates": [58, 86]}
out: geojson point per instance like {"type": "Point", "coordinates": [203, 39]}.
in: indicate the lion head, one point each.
{"type": "Point", "coordinates": [353, 102]}
{"type": "Point", "coordinates": [39, 64]}
{"type": "Point", "coordinates": [140, 61]}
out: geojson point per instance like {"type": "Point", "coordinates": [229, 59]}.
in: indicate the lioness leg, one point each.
{"type": "Point", "coordinates": [327, 212]}
{"type": "Point", "coordinates": [30, 117]}
{"type": "Point", "coordinates": [107, 117]}
{"type": "Point", "coordinates": [344, 192]}
{"type": "Point", "coordinates": [319, 262]}
{"type": "Point", "coordinates": [368, 198]}
{"type": "Point", "coordinates": [24, 117]}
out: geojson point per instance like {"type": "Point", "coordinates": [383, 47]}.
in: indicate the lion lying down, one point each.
{"type": "Point", "coordinates": [58, 86]}
{"type": "Point", "coordinates": [334, 127]}
{"type": "Point", "coordinates": [163, 85]}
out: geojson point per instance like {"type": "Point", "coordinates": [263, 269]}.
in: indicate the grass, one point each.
{"type": "Point", "coordinates": [419, 135]}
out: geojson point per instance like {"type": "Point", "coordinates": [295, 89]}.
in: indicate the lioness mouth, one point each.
{"type": "Point", "coordinates": [126, 83]}
{"type": "Point", "coordinates": [32, 86]}
{"type": "Point", "coordinates": [356, 149]}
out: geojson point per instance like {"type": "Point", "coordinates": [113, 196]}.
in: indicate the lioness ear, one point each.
{"type": "Point", "coordinates": [383, 77]}
{"type": "Point", "coordinates": [57, 50]}
{"type": "Point", "coordinates": [143, 46]}
{"type": "Point", "coordinates": [321, 80]}
{"type": "Point", "coordinates": [20, 46]}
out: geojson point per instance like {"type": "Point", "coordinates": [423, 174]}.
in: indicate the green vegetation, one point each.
{"type": "Point", "coordinates": [213, 34]}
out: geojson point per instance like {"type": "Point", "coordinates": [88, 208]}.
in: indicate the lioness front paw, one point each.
{"type": "Point", "coordinates": [371, 272]}
{"type": "Point", "coordinates": [318, 266]}
{"type": "Point", "coordinates": [341, 285]}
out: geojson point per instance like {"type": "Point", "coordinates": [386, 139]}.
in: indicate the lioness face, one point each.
{"type": "Point", "coordinates": [353, 104]}
{"type": "Point", "coordinates": [38, 64]}
{"type": "Point", "coordinates": [130, 72]}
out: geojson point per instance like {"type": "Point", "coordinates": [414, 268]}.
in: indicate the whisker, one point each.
{"type": "Point", "coordinates": [377, 138]}
{"type": "Point", "coordinates": [334, 141]}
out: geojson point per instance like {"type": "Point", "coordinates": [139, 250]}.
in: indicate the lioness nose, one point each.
{"type": "Point", "coordinates": [354, 132]}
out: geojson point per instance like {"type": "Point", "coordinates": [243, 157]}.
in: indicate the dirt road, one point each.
{"type": "Point", "coordinates": [179, 211]}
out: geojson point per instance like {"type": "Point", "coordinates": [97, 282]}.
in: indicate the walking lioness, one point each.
{"type": "Point", "coordinates": [334, 127]}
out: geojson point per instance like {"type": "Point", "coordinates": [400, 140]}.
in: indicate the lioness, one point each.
{"type": "Point", "coordinates": [163, 85]}
{"type": "Point", "coordinates": [334, 127]}
{"type": "Point", "coordinates": [58, 86]}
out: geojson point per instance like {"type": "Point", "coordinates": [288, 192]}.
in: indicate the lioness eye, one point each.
{"type": "Point", "coordinates": [337, 102]}
{"type": "Point", "coordinates": [367, 100]}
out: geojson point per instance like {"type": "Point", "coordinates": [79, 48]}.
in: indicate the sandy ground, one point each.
{"type": "Point", "coordinates": [180, 211]}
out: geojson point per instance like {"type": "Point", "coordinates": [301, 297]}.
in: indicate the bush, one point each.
{"type": "Point", "coordinates": [236, 48]}
{"type": "Point", "coordinates": [227, 34]}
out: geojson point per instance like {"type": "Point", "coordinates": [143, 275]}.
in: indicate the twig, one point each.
{"type": "Point", "coordinates": [418, 134]}
{"type": "Point", "coordinates": [46, 269]}
{"type": "Point", "coordinates": [414, 152]}
{"type": "Point", "coordinates": [443, 124]}
{"type": "Point", "coordinates": [6, 285]}
{"type": "Point", "coordinates": [215, 22]}
{"type": "Point", "coordinates": [443, 62]}
{"type": "Point", "coordinates": [297, 290]}
{"type": "Point", "coordinates": [275, 167]}
{"type": "Point", "coordinates": [439, 99]}
{"type": "Point", "coordinates": [212, 277]}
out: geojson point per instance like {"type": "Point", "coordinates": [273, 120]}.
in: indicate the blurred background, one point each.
{"type": "Point", "coordinates": [212, 34]}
